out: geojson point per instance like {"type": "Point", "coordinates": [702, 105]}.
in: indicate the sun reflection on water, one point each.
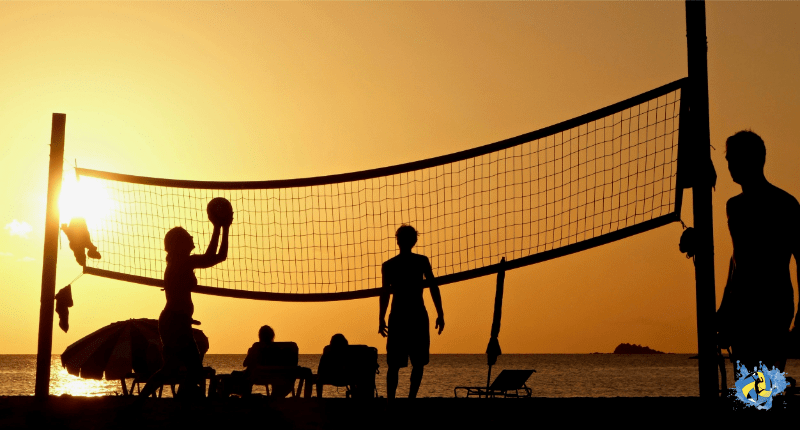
{"type": "Point", "coordinates": [62, 382]}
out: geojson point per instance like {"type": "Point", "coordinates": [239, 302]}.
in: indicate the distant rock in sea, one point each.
{"type": "Point", "coordinates": [627, 348]}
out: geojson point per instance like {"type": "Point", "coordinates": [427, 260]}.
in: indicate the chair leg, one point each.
{"type": "Point", "coordinates": [212, 387]}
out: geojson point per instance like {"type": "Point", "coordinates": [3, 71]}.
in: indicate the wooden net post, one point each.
{"type": "Point", "coordinates": [50, 258]}
{"type": "Point", "coordinates": [697, 48]}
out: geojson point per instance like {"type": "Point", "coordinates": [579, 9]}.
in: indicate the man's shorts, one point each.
{"type": "Point", "coordinates": [409, 336]}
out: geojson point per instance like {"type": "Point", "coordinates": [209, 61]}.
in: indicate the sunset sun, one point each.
{"type": "Point", "coordinates": [83, 199]}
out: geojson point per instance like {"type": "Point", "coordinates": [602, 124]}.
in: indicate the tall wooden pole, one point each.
{"type": "Point", "coordinates": [700, 140]}
{"type": "Point", "coordinates": [50, 258]}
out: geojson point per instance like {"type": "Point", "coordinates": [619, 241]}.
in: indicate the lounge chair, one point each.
{"type": "Point", "coordinates": [208, 374]}
{"type": "Point", "coordinates": [507, 384]}
{"type": "Point", "coordinates": [148, 360]}
{"type": "Point", "coordinates": [351, 366]}
{"type": "Point", "coordinates": [281, 369]}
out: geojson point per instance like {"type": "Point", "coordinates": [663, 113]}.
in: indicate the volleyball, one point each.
{"type": "Point", "coordinates": [220, 211]}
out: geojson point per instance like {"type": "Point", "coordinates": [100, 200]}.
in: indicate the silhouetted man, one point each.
{"type": "Point", "coordinates": [764, 222]}
{"type": "Point", "coordinates": [408, 330]}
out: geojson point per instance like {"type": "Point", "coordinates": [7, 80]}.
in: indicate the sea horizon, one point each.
{"type": "Point", "coordinates": [557, 375]}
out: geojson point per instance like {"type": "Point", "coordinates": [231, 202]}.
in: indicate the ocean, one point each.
{"type": "Point", "coordinates": [557, 375]}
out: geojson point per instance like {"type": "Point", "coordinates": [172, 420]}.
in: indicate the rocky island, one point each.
{"type": "Point", "coordinates": [627, 348]}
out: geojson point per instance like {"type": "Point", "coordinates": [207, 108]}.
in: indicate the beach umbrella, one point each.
{"type": "Point", "coordinates": [493, 348]}
{"type": "Point", "coordinates": [119, 347]}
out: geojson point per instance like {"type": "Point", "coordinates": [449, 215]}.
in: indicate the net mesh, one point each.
{"type": "Point", "coordinates": [545, 191]}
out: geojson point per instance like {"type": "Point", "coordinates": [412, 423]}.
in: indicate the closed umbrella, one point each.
{"type": "Point", "coordinates": [119, 348]}
{"type": "Point", "coordinates": [493, 348]}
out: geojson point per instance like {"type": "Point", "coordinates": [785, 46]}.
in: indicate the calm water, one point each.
{"type": "Point", "coordinates": [558, 375]}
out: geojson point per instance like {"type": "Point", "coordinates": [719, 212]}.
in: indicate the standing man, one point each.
{"type": "Point", "coordinates": [764, 221]}
{"type": "Point", "coordinates": [408, 330]}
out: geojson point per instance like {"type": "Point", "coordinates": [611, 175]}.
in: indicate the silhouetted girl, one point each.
{"type": "Point", "coordinates": [175, 322]}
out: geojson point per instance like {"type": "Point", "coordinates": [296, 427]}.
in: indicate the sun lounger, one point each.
{"type": "Point", "coordinates": [281, 370]}
{"type": "Point", "coordinates": [508, 383]}
{"type": "Point", "coordinates": [350, 366]}
{"type": "Point", "coordinates": [208, 374]}
{"type": "Point", "coordinates": [275, 375]}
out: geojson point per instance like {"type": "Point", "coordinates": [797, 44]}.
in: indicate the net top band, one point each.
{"type": "Point", "coordinates": [396, 169]}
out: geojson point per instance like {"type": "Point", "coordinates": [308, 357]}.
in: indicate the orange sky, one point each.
{"type": "Point", "coordinates": [256, 91]}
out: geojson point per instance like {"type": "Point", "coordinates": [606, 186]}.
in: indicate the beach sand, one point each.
{"type": "Point", "coordinates": [68, 412]}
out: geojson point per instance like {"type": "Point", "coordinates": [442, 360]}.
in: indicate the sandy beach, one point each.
{"type": "Point", "coordinates": [115, 412]}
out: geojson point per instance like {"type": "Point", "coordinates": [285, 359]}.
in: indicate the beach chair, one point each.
{"type": "Point", "coordinates": [508, 383]}
{"type": "Point", "coordinates": [139, 379]}
{"type": "Point", "coordinates": [351, 366]}
{"type": "Point", "coordinates": [281, 369]}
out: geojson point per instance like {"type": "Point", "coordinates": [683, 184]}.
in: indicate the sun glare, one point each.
{"type": "Point", "coordinates": [62, 382]}
{"type": "Point", "coordinates": [85, 199]}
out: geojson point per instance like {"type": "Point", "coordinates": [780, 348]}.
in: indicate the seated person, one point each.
{"type": "Point", "coordinates": [332, 368]}
{"type": "Point", "coordinates": [338, 340]}
{"type": "Point", "coordinates": [266, 337]}
{"type": "Point", "coordinates": [262, 353]}
{"type": "Point", "coordinates": [353, 366]}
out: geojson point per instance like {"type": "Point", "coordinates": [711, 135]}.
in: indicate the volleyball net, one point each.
{"type": "Point", "coordinates": [562, 189]}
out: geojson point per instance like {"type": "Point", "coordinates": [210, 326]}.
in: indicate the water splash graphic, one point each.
{"type": "Point", "coordinates": [758, 387]}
